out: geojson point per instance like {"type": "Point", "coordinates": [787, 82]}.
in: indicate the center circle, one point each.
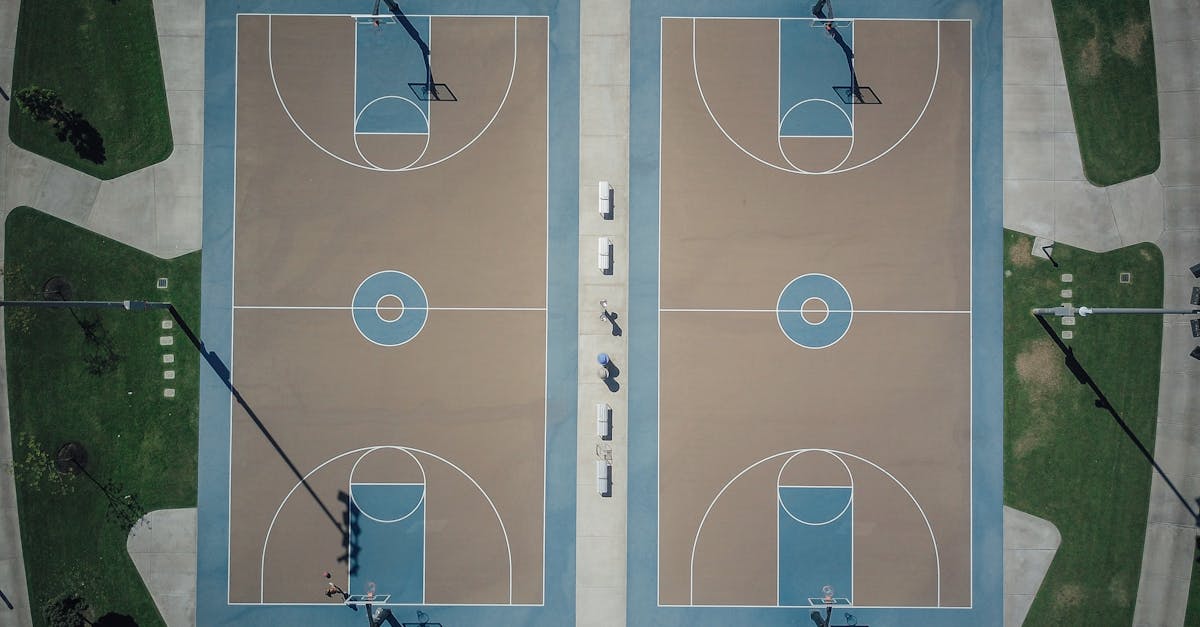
{"type": "Point", "coordinates": [798, 318]}
{"type": "Point", "coordinates": [814, 310]}
{"type": "Point", "coordinates": [389, 308]}
{"type": "Point", "coordinates": [372, 308]}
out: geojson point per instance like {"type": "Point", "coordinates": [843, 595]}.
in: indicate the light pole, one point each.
{"type": "Point", "coordinates": [1088, 311]}
{"type": "Point", "coordinates": [1102, 401]}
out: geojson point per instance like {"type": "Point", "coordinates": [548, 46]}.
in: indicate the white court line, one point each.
{"type": "Point", "coordinates": [703, 519]}
{"type": "Point", "coordinates": [229, 515]}
{"type": "Point", "coordinates": [779, 499]}
{"type": "Point", "coordinates": [350, 492]}
{"type": "Point", "coordinates": [779, 136]}
{"type": "Point", "coordinates": [794, 170]}
{"type": "Point", "coordinates": [358, 117]}
{"type": "Point", "coordinates": [849, 311]}
{"type": "Point", "coordinates": [368, 449]}
{"type": "Point", "coordinates": [660, 310]}
{"type": "Point", "coordinates": [317, 145]}
{"type": "Point", "coordinates": [352, 307]}
{"type": "Point", "coordinates": [237, 36]}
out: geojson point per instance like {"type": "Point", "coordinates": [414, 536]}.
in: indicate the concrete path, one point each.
{"type": "Point", "coordinates": [603, 155]}
{"type": "Point", "coordinates": [1171, 531]}
{"type": "Point", "coordinates": [157, 209]}
{"type": "Point", "coordinates": [163, 548]}
{"type": "Point", "coordinates": [1046, 195]}
{"type": "Point", "coordinates": [14, 607]}
{"type": "Point", "coordinates": [1029, 546]}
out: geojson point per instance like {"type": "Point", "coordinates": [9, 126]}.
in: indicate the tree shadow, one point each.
{"type": "Point", "coordinates": [82, 136]}
{"type": "Point", "coordinates": [1081, 374]}
{"type": "Point", "coordinates": [113, 619]}
{"type": "Point", "coordinates": [100, 354]}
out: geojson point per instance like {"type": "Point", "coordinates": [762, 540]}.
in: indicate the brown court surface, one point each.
{"type": "Point", "coordinates": [894, 392]}
{"type": "Point", "coordinates": [467, 394]}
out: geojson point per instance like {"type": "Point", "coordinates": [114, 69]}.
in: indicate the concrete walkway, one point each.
{"type": "Point", "coordinates": [1029, 546]}
{"type": "Point", "coordinates": [600, 543]}
{"type": "Point", "coordinates": [1046, 195]}
{"type": "Point", "coordinates": [156, 209]}
{"type": "Point", "coordinates": [163, 548]}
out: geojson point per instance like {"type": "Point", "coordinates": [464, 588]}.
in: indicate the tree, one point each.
{"type": "Point", "coordinates": [42, 104]}
{"type": "Point", "coordinates": [19, 319]}
{"type": "Point", "coordinates": [36, 470]}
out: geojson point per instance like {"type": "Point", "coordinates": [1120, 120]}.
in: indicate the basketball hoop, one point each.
{"type": "Point", "coordinates": [827, 595]}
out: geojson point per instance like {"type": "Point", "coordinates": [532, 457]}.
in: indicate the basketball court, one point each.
{"type": "Point", "coordinates": [816, 417]}
{"type": "Point", "coordinates": [386, 232]}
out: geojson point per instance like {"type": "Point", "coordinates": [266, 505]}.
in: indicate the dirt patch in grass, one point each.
{"type": "Point", "coordinates": [1129, 42]}
{"type": "Point", "coordinates": [1039, 367]}
{"type": "Point", "coordinates": [1089, 58]}
{"type": "Point", "coordinates": [1146, 255]}
{"type": "Point", "coordinates": [1070, 595]}
{"type": "Point", "coordinates": [1019, 253]}
{"type": "Point", "coordinates": [1033, 436]}
{"type": "Point", "coordinates": [1118, 591]}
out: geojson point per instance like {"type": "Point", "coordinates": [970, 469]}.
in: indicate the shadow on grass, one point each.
{"type": "Point", "coordinates": [82, 136]}
{"type": "Point", "coordinates": [1102, 402]}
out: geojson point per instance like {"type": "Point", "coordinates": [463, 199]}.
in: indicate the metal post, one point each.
{"type": "Point", "coordinates": [1087, 311]}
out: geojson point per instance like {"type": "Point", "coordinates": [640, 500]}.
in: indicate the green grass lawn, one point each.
{"type": "Point", "coordinates": [1193, 614]}
{"type": "Point", "coordinates": [134, 436]}
{"type": "Point", "coordinates": [1066, 460]}
{"type": "Point", "coordinates": [1108, 53]}
{"type": "Point", "coordinates": [101, 57]}
{"type": "Point", "coordinates": [1193, 605]}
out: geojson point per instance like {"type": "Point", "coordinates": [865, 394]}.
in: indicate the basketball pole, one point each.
{"type": "Point", "coordinates": [430, 86]}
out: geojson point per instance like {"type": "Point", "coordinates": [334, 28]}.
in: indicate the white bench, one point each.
{"type": "Point", "coordinates": [604, 421]}
{"type": "Point", "coordinates": [604, 478]}
{"type": "Point", "coordinates": [605, 246]}
{"type": "Point", "coordinates": [606, 199]}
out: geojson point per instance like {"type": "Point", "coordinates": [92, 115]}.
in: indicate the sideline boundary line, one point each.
{"type": "Point", "coordinates": [968, 312]}
{"type": "Point", "coordinates": [546, 191]}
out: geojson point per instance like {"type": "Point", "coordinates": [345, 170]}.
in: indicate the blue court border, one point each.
{"type": "Point", "coordinates": [558, 608]}
{"type": "Point", "coordinates": [986, 409]}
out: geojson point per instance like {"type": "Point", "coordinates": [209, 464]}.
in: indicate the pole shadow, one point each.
{"type": "Point", "coordinates": [350, 545]}
{"type": "Point", "coordinates": [222, 371]}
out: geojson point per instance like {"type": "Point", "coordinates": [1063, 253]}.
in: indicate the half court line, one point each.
{"type": "Point", "coordinates": [351, 308]}
{"type": "Point", "coordinates": [850, 311]}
